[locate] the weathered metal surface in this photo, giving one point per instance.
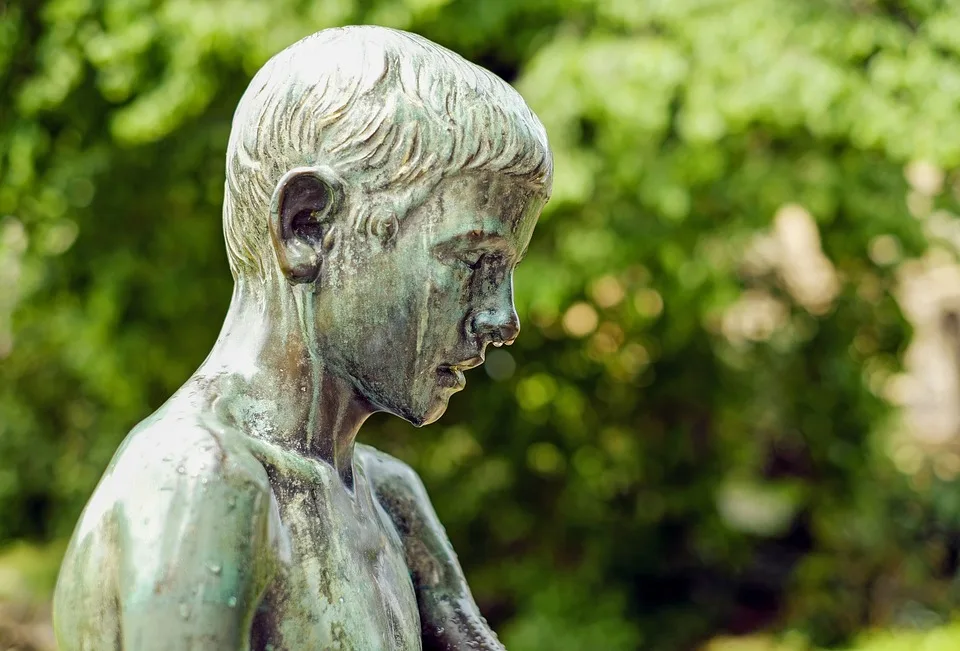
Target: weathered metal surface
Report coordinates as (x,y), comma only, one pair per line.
(380,191)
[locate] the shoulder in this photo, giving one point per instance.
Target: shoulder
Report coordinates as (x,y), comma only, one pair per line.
(190,448)
(385,470)
(184,506)
(171,481)
(399,491)
(175,467)
(187,491)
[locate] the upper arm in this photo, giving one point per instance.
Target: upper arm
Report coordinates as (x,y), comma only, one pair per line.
(450,618)
(194,530)
(401,493)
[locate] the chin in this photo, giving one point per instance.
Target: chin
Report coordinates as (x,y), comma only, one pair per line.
(421,415)
(422,406)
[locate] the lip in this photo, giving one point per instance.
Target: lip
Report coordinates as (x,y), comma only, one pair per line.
(451,375)
(467,364)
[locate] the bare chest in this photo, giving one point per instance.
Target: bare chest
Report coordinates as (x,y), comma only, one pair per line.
(345,585)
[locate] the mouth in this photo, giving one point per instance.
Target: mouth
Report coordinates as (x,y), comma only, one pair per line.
(451,375)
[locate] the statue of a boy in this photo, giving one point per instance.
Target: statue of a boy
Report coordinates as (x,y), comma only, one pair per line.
(380,191)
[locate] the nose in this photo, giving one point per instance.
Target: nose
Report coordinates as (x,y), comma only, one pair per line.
(497,326)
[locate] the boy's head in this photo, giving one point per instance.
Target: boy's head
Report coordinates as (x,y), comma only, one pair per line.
(398,185)
(388,113)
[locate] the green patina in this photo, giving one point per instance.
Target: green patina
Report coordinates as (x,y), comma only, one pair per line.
(380,191)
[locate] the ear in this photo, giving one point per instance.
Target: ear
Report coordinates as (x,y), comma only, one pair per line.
(302,209)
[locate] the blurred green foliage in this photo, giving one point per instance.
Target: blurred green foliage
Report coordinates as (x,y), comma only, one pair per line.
(631,474)
(944,638)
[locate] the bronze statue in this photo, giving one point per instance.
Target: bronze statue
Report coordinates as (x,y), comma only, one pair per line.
(380,191)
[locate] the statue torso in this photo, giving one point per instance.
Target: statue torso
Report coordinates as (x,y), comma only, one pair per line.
(338,578)
(346,585)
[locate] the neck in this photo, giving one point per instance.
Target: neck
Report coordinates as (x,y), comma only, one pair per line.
(266,377)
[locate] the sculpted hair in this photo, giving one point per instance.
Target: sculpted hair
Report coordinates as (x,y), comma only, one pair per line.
(388,111)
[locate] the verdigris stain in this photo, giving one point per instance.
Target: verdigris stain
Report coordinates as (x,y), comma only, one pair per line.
(380,191)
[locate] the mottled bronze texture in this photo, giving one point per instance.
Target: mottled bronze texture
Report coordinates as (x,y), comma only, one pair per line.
(380,191)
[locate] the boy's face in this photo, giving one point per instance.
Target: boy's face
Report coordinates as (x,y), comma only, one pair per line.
(403,321)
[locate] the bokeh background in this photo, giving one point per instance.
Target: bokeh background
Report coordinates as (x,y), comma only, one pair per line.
(732,420)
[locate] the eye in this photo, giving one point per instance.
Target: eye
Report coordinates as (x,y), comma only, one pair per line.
(470,259)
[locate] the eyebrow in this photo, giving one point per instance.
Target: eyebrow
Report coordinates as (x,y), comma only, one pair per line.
(480,239)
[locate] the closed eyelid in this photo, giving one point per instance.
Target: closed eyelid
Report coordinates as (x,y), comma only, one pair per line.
(473,241)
